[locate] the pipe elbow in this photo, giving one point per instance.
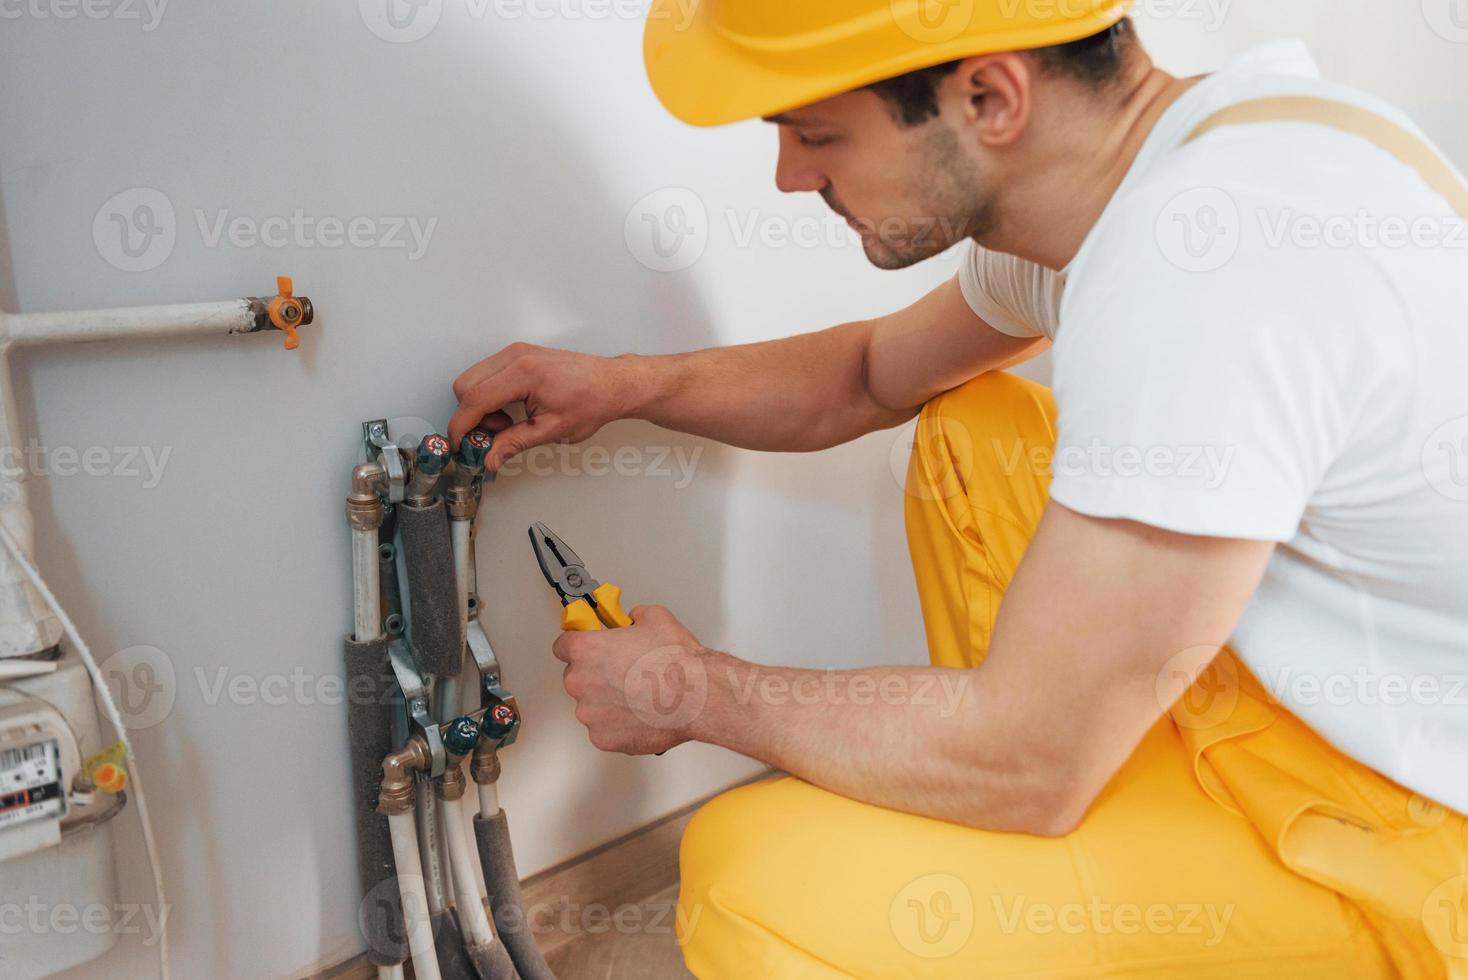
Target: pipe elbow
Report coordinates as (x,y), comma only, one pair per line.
(399,769)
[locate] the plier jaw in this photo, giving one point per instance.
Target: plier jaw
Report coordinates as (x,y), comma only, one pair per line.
(589,604)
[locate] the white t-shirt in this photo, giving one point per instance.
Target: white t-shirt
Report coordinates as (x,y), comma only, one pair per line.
(1265,336)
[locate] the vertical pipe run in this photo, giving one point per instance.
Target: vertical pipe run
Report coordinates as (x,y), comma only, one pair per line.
(415,902)
(471,911)
(366,586)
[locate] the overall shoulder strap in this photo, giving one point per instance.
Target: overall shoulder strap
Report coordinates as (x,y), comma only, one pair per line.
(1395,139)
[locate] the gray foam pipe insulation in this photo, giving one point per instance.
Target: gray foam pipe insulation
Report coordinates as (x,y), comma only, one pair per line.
(500,877)
(370,681)
(433,598)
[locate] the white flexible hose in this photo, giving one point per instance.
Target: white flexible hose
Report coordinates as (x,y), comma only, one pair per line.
(472,920)
(416,923)
(489,799)
(99,684)
(463,559)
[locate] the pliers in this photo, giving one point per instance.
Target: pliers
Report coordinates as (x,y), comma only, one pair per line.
(589,604)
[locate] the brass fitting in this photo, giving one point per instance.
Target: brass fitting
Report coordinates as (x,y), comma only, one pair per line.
(485,764)
(450,786)
(364,507)
(461,502)
(395,795)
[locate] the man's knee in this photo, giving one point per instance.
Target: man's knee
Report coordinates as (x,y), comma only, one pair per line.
(993,429)
(720,834)
(992,395)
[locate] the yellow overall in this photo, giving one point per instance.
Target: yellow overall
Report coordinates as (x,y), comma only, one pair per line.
(1234,842)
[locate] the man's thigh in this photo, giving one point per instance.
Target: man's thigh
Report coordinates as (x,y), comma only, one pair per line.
(783,879)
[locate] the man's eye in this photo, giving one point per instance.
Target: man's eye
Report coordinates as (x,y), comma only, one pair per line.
(813,140)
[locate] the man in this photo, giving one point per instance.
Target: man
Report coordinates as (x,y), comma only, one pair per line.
(1254,445)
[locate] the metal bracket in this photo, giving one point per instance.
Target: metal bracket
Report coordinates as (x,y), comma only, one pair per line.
(490,691)
(375,437)
(415,698)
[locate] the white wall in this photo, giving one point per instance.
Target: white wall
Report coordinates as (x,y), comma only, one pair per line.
(530,140)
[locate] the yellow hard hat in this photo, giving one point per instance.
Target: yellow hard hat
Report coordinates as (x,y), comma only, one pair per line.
(718,61)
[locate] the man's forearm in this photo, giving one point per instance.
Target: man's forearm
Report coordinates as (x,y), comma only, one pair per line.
(917,739)
(797,394)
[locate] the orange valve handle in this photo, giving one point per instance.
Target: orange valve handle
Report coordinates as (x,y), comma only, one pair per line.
(287,312)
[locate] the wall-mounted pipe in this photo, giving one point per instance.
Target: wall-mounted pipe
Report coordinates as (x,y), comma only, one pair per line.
(27,626)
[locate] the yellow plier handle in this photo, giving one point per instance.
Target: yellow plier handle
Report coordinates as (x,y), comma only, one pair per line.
(579,615)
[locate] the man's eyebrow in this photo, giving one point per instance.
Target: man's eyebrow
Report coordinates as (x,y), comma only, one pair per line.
(784,119)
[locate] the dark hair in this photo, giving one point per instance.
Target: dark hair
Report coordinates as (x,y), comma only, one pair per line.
(1096,60)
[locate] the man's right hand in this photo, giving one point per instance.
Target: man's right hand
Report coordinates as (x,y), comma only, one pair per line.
(568,397)
(799,394)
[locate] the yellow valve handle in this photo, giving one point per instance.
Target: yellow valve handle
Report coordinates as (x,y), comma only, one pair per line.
(579,616)
(285,313)
(114,755)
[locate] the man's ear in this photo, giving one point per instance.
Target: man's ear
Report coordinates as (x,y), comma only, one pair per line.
(996,90)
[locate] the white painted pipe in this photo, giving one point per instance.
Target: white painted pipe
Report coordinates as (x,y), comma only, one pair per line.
(472,919)
(416,923)
(130,323)
(366,586)
(394,972)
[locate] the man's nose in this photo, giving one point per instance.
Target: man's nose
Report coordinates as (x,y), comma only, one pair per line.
(794,174)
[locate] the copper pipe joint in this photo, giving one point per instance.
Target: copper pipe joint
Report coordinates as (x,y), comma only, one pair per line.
(395,795)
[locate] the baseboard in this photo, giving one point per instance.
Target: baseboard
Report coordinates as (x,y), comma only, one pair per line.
(617,874)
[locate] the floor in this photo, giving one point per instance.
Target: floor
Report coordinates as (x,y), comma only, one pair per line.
(648,952)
